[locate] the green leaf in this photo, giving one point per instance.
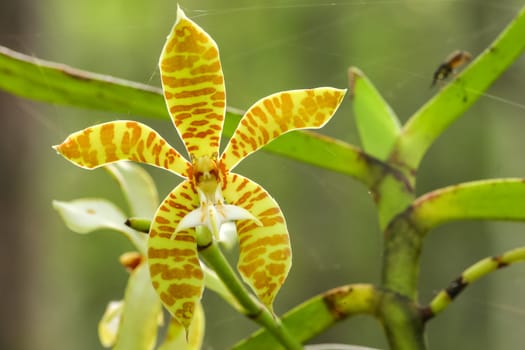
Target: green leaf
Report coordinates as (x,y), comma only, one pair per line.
(328,153)
(176,334)
(90,214)
(376,122)
(50,82)
(138,187)
(428,123)
(141,312)
(500,199)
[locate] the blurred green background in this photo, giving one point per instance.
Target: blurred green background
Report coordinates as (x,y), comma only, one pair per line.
(55,284)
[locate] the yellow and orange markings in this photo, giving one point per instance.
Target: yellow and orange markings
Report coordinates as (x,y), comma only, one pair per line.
(193,86)
(173,260)
(277,114)
(121,140)
(210,195)
(265,253)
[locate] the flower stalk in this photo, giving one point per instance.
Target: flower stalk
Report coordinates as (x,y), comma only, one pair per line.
(210,252)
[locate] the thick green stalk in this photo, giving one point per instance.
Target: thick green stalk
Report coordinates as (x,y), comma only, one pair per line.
(403,322)
(401,258)
(401,319)
(393,193)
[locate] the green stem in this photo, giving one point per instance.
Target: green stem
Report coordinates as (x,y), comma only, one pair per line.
(253,309)
(403,323)
(493,199)
(393,193)
(469,276)
(401,258)
(401,318)
(326,309)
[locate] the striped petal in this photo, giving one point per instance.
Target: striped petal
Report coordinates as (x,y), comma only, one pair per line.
(172,257)
(193,86)
(121,140)
(265,254)
(277,114)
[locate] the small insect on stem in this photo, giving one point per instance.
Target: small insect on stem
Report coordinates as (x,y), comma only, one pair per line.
(455,60)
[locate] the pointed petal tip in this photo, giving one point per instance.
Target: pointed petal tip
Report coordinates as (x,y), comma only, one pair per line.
(342,92)
(180,14)
(59,149)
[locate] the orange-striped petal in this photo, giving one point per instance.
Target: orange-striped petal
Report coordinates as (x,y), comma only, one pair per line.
(193,86)
(277,114)
(265,254)
(174,265)
(121,140)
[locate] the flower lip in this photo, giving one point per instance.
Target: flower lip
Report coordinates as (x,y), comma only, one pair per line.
(213,216)
(212,211)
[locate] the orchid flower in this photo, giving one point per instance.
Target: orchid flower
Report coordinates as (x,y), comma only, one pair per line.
(211,194)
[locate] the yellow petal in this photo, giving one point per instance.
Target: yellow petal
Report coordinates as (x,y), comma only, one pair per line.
(277,114)
(177,339)
(173,261)
(121,140)
(265,254)
(193,86)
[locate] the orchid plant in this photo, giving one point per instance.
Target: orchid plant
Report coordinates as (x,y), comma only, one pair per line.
(210,194)
(181,252)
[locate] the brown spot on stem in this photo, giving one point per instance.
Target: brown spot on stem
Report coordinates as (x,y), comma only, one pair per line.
(499,261)
(456,287)
(331,299)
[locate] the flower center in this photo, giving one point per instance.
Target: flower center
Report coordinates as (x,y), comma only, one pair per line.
(212,211)
(207,181)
